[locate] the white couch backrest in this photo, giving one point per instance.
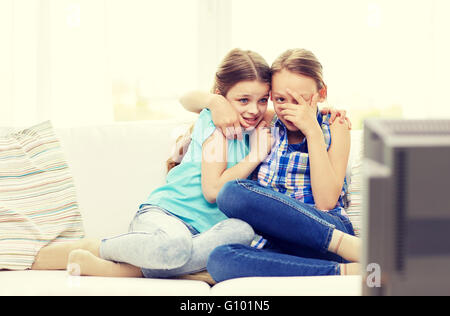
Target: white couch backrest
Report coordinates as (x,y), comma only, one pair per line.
(115,167)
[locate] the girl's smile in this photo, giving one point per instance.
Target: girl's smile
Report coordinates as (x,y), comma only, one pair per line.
(251,121)
(250,99)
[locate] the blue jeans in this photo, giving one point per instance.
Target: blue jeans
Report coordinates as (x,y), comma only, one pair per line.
(163,245)
(298,235)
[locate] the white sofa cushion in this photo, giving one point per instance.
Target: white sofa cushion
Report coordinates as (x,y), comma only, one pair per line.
(115,167)
(59,283)
(290,286)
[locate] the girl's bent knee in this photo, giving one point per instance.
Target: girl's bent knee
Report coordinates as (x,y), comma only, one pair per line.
(178,252)
(244,231)
(233,231)
(229,200)
(215,264)
(225,192)
(169,252)
(223,261)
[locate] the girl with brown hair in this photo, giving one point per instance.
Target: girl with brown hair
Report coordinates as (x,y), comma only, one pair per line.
(179,224)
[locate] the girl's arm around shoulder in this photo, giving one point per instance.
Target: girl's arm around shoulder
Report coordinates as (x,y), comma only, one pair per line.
(224,116)
(196,101)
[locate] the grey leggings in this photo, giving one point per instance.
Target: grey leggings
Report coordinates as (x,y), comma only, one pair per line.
(162,245)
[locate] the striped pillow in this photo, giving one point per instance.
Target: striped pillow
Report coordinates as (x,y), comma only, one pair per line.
(38,203)
(355,176)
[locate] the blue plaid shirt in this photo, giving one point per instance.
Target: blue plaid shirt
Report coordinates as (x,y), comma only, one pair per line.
(287,168)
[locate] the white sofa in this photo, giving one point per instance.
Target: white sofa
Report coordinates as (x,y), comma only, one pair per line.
(115,167)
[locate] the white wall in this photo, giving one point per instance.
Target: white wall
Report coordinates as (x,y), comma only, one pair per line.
(54,62)
(6,74)
(375,53)
(18,72)
(59,58)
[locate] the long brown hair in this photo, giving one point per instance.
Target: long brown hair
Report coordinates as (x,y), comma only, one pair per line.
(238,65)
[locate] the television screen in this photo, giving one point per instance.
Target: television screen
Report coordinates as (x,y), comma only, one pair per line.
(406,207)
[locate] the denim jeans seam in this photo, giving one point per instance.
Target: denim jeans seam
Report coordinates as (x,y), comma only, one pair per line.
(331,227)
(345,221)
(325,223)
(247,255)
(328,240)
(129,233)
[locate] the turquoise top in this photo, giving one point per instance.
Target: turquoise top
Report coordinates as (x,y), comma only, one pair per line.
(182,194)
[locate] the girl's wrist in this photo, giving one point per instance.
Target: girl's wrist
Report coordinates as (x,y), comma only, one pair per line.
(313,132)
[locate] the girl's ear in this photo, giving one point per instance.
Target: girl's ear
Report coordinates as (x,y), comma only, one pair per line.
(270,96)
(323,94)
(217,91)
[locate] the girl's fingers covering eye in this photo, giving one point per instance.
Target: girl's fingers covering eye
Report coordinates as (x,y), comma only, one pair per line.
(286,106)
(296,96)
(288,112)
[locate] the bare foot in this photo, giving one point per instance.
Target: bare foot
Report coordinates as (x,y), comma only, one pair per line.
(92,245)
(83,262)
(54,257)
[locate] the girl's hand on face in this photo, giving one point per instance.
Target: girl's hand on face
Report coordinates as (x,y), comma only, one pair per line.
(335,114)
(225,117)
(261,142)
(303,115)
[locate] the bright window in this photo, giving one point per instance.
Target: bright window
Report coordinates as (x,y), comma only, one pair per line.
(79,62)
(153,55)
(380,58)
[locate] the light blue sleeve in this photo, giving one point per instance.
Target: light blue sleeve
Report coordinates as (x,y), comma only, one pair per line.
(204,128)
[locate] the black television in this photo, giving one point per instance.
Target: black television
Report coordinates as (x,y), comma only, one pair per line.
(406,207)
